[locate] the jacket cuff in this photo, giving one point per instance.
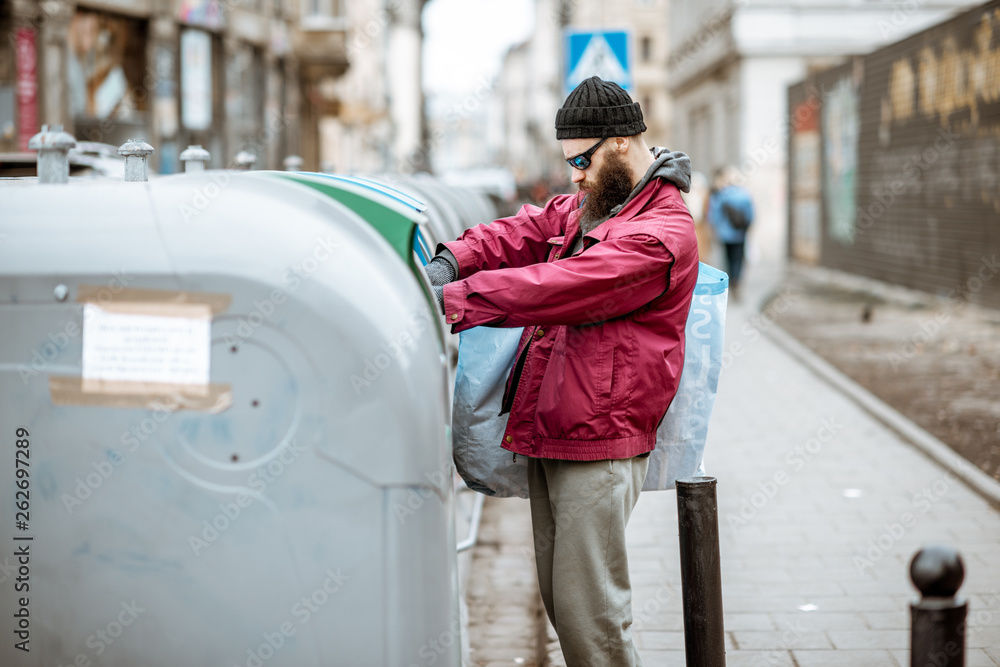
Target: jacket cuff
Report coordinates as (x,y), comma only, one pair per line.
(454,303)
(464,259)
(447,255)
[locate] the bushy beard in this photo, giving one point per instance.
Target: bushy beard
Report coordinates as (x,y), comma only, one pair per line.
(611,186)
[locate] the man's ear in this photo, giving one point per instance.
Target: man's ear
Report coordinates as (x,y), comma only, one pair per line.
(622,144)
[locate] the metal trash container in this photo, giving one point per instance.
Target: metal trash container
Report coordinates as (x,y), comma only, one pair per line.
(393,213)
(231,395)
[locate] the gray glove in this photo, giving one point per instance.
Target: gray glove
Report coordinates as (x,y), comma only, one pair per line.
(439,294)
(440,271)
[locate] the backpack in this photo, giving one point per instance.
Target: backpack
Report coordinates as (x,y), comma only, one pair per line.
(737,218)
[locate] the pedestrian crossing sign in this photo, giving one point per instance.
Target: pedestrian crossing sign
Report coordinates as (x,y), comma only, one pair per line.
(598,53)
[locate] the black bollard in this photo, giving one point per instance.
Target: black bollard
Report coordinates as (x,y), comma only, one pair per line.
(937,620)
(701,572)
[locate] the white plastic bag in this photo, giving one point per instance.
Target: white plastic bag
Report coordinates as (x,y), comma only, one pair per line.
(486,356)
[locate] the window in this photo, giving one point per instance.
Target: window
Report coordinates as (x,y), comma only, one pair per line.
(324,15)
(646,49)
(700,139)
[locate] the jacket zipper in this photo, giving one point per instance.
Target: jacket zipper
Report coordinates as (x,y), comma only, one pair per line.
(508,400)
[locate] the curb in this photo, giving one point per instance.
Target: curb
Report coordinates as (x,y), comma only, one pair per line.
(937,451)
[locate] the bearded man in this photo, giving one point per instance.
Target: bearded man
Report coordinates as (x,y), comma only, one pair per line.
(601,280)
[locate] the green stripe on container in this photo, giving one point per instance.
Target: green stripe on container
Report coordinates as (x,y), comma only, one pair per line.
(395,228)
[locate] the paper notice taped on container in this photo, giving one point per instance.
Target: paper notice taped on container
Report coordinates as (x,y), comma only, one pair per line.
(152,348)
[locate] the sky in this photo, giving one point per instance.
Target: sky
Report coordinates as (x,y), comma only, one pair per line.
(466,39)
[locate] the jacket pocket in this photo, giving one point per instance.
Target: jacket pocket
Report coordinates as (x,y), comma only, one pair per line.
(574,398)
(555,248)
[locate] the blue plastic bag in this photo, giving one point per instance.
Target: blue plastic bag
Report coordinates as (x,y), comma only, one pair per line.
(680,438)
(486,356)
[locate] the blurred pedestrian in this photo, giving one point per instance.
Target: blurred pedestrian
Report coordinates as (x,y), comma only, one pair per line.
(601,280)
(540,192)
(730,212)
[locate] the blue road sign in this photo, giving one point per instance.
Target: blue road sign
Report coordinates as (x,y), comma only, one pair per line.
(603,53)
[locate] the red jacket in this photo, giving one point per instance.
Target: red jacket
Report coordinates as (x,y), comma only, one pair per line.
(603,343)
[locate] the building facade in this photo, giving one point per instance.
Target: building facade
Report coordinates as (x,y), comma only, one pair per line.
(379,125)
(729,68)
(272,77)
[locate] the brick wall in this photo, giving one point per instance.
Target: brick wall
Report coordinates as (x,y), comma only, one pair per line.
(909,162)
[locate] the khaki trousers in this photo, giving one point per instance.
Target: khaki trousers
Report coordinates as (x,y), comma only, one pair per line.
(579,510)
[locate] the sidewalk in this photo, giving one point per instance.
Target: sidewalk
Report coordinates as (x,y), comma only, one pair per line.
(820,508)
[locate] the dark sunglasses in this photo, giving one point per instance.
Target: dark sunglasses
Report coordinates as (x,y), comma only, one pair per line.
(582,161)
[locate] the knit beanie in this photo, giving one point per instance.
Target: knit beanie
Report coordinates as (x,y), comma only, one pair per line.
(600,109)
